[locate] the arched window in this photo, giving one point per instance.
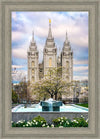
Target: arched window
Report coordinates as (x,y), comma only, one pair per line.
(32,78)
(50,62)
(32,71)
(67,66)
(32,63)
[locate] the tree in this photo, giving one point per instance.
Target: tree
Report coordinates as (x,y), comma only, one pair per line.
(23,90)
(14,97)
(51,85)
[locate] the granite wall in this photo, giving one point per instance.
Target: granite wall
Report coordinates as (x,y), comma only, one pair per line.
(49,116)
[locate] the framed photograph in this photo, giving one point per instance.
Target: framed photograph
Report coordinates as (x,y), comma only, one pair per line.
(49,69)
(49,74)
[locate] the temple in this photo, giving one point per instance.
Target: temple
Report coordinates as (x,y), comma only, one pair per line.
(37,70)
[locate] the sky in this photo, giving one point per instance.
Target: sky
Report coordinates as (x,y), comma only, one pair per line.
(74,23)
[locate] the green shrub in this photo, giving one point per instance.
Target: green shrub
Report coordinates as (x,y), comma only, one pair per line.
(58,122)
(19,123)
(80,122)
(64,122)
(35,122)
(39,121)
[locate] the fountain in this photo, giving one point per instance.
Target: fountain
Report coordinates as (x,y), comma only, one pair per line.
(51,105)
(48,109)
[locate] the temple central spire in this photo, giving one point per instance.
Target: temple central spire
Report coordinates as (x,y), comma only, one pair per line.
(50,33)
(33,36)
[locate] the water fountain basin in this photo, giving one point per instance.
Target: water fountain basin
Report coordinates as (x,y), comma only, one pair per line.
(51,105)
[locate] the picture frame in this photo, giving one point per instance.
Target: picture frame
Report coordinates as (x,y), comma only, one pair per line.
(6,7)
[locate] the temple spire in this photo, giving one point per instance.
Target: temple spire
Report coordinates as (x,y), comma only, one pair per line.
(50,33)
(66,42)
(32,41)
(66,38)
(33,36)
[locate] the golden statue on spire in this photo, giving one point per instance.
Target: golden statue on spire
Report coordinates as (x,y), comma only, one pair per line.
(49,20)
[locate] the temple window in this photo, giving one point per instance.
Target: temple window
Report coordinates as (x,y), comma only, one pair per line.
(32,71)
(32,63)
(50,62)
(32,78)
(67,64)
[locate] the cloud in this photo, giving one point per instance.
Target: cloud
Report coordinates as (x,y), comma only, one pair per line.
(19,53)
(80,68)
(78,62)
(19,75)
(80,77)
(20,50)
(14,16)
(17,66)
(80,73)
(78,33)
(16,35)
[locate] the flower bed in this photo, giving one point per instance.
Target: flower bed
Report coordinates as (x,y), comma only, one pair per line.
(58,122)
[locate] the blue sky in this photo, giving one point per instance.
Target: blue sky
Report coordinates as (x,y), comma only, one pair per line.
(76,25)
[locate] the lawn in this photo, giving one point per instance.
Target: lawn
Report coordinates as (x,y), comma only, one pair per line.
(83,105)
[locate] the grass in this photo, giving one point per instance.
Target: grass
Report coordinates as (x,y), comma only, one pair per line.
(83,105)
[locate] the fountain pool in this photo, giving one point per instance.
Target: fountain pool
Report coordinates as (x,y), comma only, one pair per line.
(49,109)
(38,108)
